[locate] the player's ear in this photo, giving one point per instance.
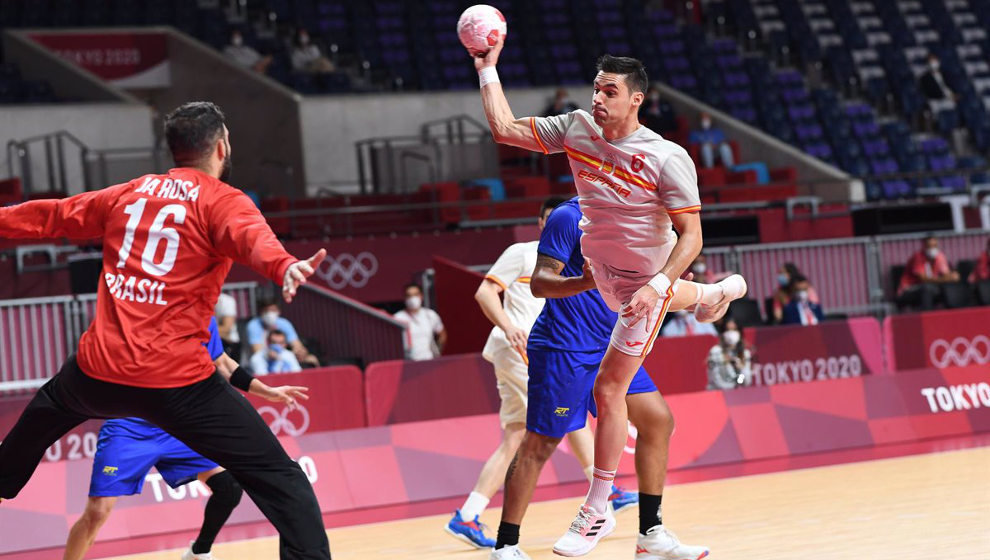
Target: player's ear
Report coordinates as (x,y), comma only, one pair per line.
(637,98)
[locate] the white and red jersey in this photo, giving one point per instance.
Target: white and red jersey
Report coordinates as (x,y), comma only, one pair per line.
(512,272)
(168,244)
(628,189)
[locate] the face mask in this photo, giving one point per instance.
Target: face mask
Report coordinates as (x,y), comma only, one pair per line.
(802,295)
(782,280)
(706,124)
(414,302)
(931,252)
(277,348)
(699,268)
(731,338)
(237,41)
(269,318)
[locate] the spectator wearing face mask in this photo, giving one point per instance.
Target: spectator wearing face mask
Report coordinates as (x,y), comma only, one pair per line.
(729,361)
(923,275)
(244,55)
(656,114)
(711,140)
(270,318)
(275,357)
(801,310)
(782,295)
(306,56)
(425,334)
(683,323)
(981,272)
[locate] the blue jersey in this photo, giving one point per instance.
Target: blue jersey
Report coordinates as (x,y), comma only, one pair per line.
(581,323)
(214,346)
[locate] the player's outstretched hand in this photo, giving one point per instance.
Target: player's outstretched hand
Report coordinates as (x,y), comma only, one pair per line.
(491,57)
(298,272)
(640,306)
(287,394)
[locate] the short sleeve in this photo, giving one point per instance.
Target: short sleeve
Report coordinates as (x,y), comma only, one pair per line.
(285,326)
(679,185)
(437,322)
(255,332)
(560,234)
(550,131)
(215,345)
(509,266)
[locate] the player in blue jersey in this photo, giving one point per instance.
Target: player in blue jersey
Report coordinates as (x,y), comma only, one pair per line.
(565,348)
(127,449)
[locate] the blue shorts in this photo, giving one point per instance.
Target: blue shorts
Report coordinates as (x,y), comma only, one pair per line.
(128,448)
(560,390)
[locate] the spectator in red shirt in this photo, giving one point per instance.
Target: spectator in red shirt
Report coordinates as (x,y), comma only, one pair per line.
(925,271)
(981,272)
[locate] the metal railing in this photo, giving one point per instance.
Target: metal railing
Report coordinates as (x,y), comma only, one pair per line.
(346,329)
(55,176)
(38,334)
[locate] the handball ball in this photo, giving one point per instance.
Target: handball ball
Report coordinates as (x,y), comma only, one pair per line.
(479,28)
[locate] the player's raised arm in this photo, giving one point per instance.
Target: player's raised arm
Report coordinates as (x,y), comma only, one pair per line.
(547,282)
(506,128)
(82,216)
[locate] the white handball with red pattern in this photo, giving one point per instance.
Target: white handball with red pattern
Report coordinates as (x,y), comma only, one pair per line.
(479,28)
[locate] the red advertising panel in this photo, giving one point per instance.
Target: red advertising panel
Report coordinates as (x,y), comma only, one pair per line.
(830,350)
(441,458)
(940,339)
(128,59)
(680,365)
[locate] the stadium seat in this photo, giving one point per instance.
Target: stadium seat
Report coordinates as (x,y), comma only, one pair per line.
(956,294)
(745,312)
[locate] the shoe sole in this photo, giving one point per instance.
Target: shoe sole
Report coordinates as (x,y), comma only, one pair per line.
(464,539)
(590,548)
(657,557)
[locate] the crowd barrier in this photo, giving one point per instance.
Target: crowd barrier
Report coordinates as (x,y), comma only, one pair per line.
(454,284)
(414,461)
(938,339)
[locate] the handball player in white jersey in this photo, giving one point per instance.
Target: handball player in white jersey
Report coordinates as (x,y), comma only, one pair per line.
(635,189)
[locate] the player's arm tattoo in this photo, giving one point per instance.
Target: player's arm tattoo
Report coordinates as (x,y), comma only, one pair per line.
(545,261)
(547,281)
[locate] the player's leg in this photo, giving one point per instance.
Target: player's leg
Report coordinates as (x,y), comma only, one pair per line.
(84,530)
(218,423)
(654,423)
(511,375)
(46,418)
(582,444)
(225,494)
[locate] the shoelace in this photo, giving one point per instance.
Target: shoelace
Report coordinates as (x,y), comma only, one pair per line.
(582,521)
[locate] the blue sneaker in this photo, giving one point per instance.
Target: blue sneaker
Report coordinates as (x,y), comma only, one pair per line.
(471,532)
(622,499)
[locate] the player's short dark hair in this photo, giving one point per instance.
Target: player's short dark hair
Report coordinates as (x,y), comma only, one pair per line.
(631,69)
(551,203)
(192,130)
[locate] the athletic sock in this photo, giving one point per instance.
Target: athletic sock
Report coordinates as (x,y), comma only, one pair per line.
(508,535)
(601,489)
(710,294)
(650,514)
(226,495)
(473,506)
(589,472)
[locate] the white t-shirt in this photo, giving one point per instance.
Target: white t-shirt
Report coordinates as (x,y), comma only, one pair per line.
(628,189)
(512,271)
(421,327)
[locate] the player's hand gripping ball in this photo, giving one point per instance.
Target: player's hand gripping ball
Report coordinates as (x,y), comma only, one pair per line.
(479,28)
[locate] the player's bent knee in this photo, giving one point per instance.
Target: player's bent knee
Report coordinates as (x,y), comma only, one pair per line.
(225,489)
(98,510)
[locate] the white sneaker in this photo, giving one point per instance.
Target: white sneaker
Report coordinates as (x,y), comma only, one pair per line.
(733,288)
(188,554)
(508,553)
(586,530)
(661,544)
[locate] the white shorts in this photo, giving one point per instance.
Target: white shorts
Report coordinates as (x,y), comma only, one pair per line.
(617,289)
(512,378)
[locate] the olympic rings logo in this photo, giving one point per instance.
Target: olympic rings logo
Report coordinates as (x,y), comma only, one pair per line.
(348,270)
(960,352)
(280,423)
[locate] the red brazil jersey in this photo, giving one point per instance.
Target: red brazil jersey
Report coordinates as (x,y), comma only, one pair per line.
(168,244)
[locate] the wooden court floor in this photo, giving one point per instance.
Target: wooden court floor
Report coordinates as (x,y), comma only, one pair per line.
(922,507)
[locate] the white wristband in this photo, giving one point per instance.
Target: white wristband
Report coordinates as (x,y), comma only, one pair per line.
(660,283)
(487,75)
